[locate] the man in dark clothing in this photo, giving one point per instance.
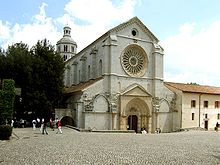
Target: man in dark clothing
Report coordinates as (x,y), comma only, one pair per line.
(44,127)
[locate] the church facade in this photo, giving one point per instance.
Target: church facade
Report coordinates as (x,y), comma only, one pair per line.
(116,82)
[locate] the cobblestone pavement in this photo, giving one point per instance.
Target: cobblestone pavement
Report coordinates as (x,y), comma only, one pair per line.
(72,147)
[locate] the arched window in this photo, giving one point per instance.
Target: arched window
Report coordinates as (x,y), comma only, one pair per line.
(72,49)
(68,75)
(65,57)
(89,72)
(80,77)
(100,67)
(65,48)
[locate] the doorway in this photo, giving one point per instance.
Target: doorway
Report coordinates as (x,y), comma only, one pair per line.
(206,125)
(133,122)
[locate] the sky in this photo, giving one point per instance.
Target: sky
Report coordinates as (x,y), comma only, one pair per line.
(188,30)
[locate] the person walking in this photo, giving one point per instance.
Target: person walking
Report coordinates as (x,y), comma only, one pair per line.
(216,128)
(34,124)
(51,124)
(44,128)
(22,123)
(38,123)
(12,123)
(42,124)
(59,127)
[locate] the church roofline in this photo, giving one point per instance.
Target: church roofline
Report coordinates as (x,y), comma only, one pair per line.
(80,87)
(119,27)
(138,21)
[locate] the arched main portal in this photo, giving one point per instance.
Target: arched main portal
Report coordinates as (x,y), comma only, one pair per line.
(133,123)
(136,116)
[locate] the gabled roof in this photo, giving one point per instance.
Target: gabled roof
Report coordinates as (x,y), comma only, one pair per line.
(135,89)
(119,27)
(138,21)
(193,88)
(81,86)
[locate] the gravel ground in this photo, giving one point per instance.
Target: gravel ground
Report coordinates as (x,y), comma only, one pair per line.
(30,147)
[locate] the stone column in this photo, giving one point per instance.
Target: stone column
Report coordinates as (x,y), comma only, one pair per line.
(157,70)
(83,72)
(79,114)
(150,128)
(94,66)
(75,73)
(68,76)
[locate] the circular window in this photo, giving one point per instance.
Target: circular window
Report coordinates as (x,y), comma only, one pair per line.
(133,60)
(134,32)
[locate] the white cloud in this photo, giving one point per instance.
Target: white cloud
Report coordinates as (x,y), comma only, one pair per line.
(88,20)
(41,27)
(193,55)
(100,11)
(95,17)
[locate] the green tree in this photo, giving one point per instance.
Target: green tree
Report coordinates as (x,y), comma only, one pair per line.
(18,66)
(7,95)
(47,79)
(3,65)
(38,72)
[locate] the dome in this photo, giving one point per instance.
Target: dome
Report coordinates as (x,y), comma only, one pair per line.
(66,40)
(66,37)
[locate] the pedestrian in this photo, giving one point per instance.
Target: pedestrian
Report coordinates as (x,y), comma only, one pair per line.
(217,125)
(144,131)
(22,123)
(44,128)
(158,130)
(51,124)
(12,123)
(34,124)
(38,123)
(59,127)
(42,124)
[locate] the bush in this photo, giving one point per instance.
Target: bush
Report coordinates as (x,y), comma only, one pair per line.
(5,132)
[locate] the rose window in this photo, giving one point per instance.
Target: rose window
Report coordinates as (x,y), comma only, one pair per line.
(134,61)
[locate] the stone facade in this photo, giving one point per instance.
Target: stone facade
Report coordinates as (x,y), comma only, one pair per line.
(116,83)
(197,105)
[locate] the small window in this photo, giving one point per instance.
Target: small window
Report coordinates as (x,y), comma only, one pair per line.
(216,104)
(206,115)
(218,116)
(193,103)
(79,77)
(193,116)
(65,48)
(72,49)
(89,72)
(65,57)
(206,104)
(134,32)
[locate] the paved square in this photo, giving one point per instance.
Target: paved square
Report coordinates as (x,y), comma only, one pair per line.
(72,147)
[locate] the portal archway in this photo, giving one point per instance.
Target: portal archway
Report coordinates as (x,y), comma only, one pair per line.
(136,116)
(66,120)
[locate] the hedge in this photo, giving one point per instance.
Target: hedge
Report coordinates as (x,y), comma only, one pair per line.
(5,132)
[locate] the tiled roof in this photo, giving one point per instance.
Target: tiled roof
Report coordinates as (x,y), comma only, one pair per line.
(81,86)
(194,88)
